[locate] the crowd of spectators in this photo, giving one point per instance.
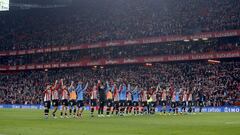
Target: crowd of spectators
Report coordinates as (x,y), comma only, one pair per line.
(89,21)
(220,83)
(160,49)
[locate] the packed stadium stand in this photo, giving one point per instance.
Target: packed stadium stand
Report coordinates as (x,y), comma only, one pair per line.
(218,82)
(139,41)
(115,20)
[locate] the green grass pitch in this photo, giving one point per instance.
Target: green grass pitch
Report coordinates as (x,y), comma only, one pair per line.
(31,122)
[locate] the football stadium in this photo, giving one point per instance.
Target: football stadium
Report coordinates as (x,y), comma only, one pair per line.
(119,67)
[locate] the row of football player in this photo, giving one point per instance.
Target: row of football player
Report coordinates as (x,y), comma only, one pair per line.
(119,99)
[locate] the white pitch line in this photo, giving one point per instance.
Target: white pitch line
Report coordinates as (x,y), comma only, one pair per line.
(232,122)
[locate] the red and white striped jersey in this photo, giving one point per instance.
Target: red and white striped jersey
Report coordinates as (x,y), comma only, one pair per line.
(184,97)
(55,93)
(47,95)
(173,97)
(164,95)
(94,92)
(189,97)
(65,94)
(129,96)
(144,96)
(154,96)
(116,94)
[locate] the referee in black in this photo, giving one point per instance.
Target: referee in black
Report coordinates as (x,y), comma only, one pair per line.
(102,98)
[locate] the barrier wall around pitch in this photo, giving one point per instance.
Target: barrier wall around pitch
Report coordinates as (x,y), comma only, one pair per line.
(205,109)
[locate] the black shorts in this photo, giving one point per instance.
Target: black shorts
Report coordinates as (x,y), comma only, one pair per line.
(173,104)
(144,103)
(129,103)
(163,103)
(116,104)
(101,103)
(201,103)
(109,103)
(184,104)
(93,102)
(153,104)
(135,103)
(189,103)
(177,103)
(80,103)
(65,102)
(47,104)
(122,103)
(55,103)
(193,103)
(72,102)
